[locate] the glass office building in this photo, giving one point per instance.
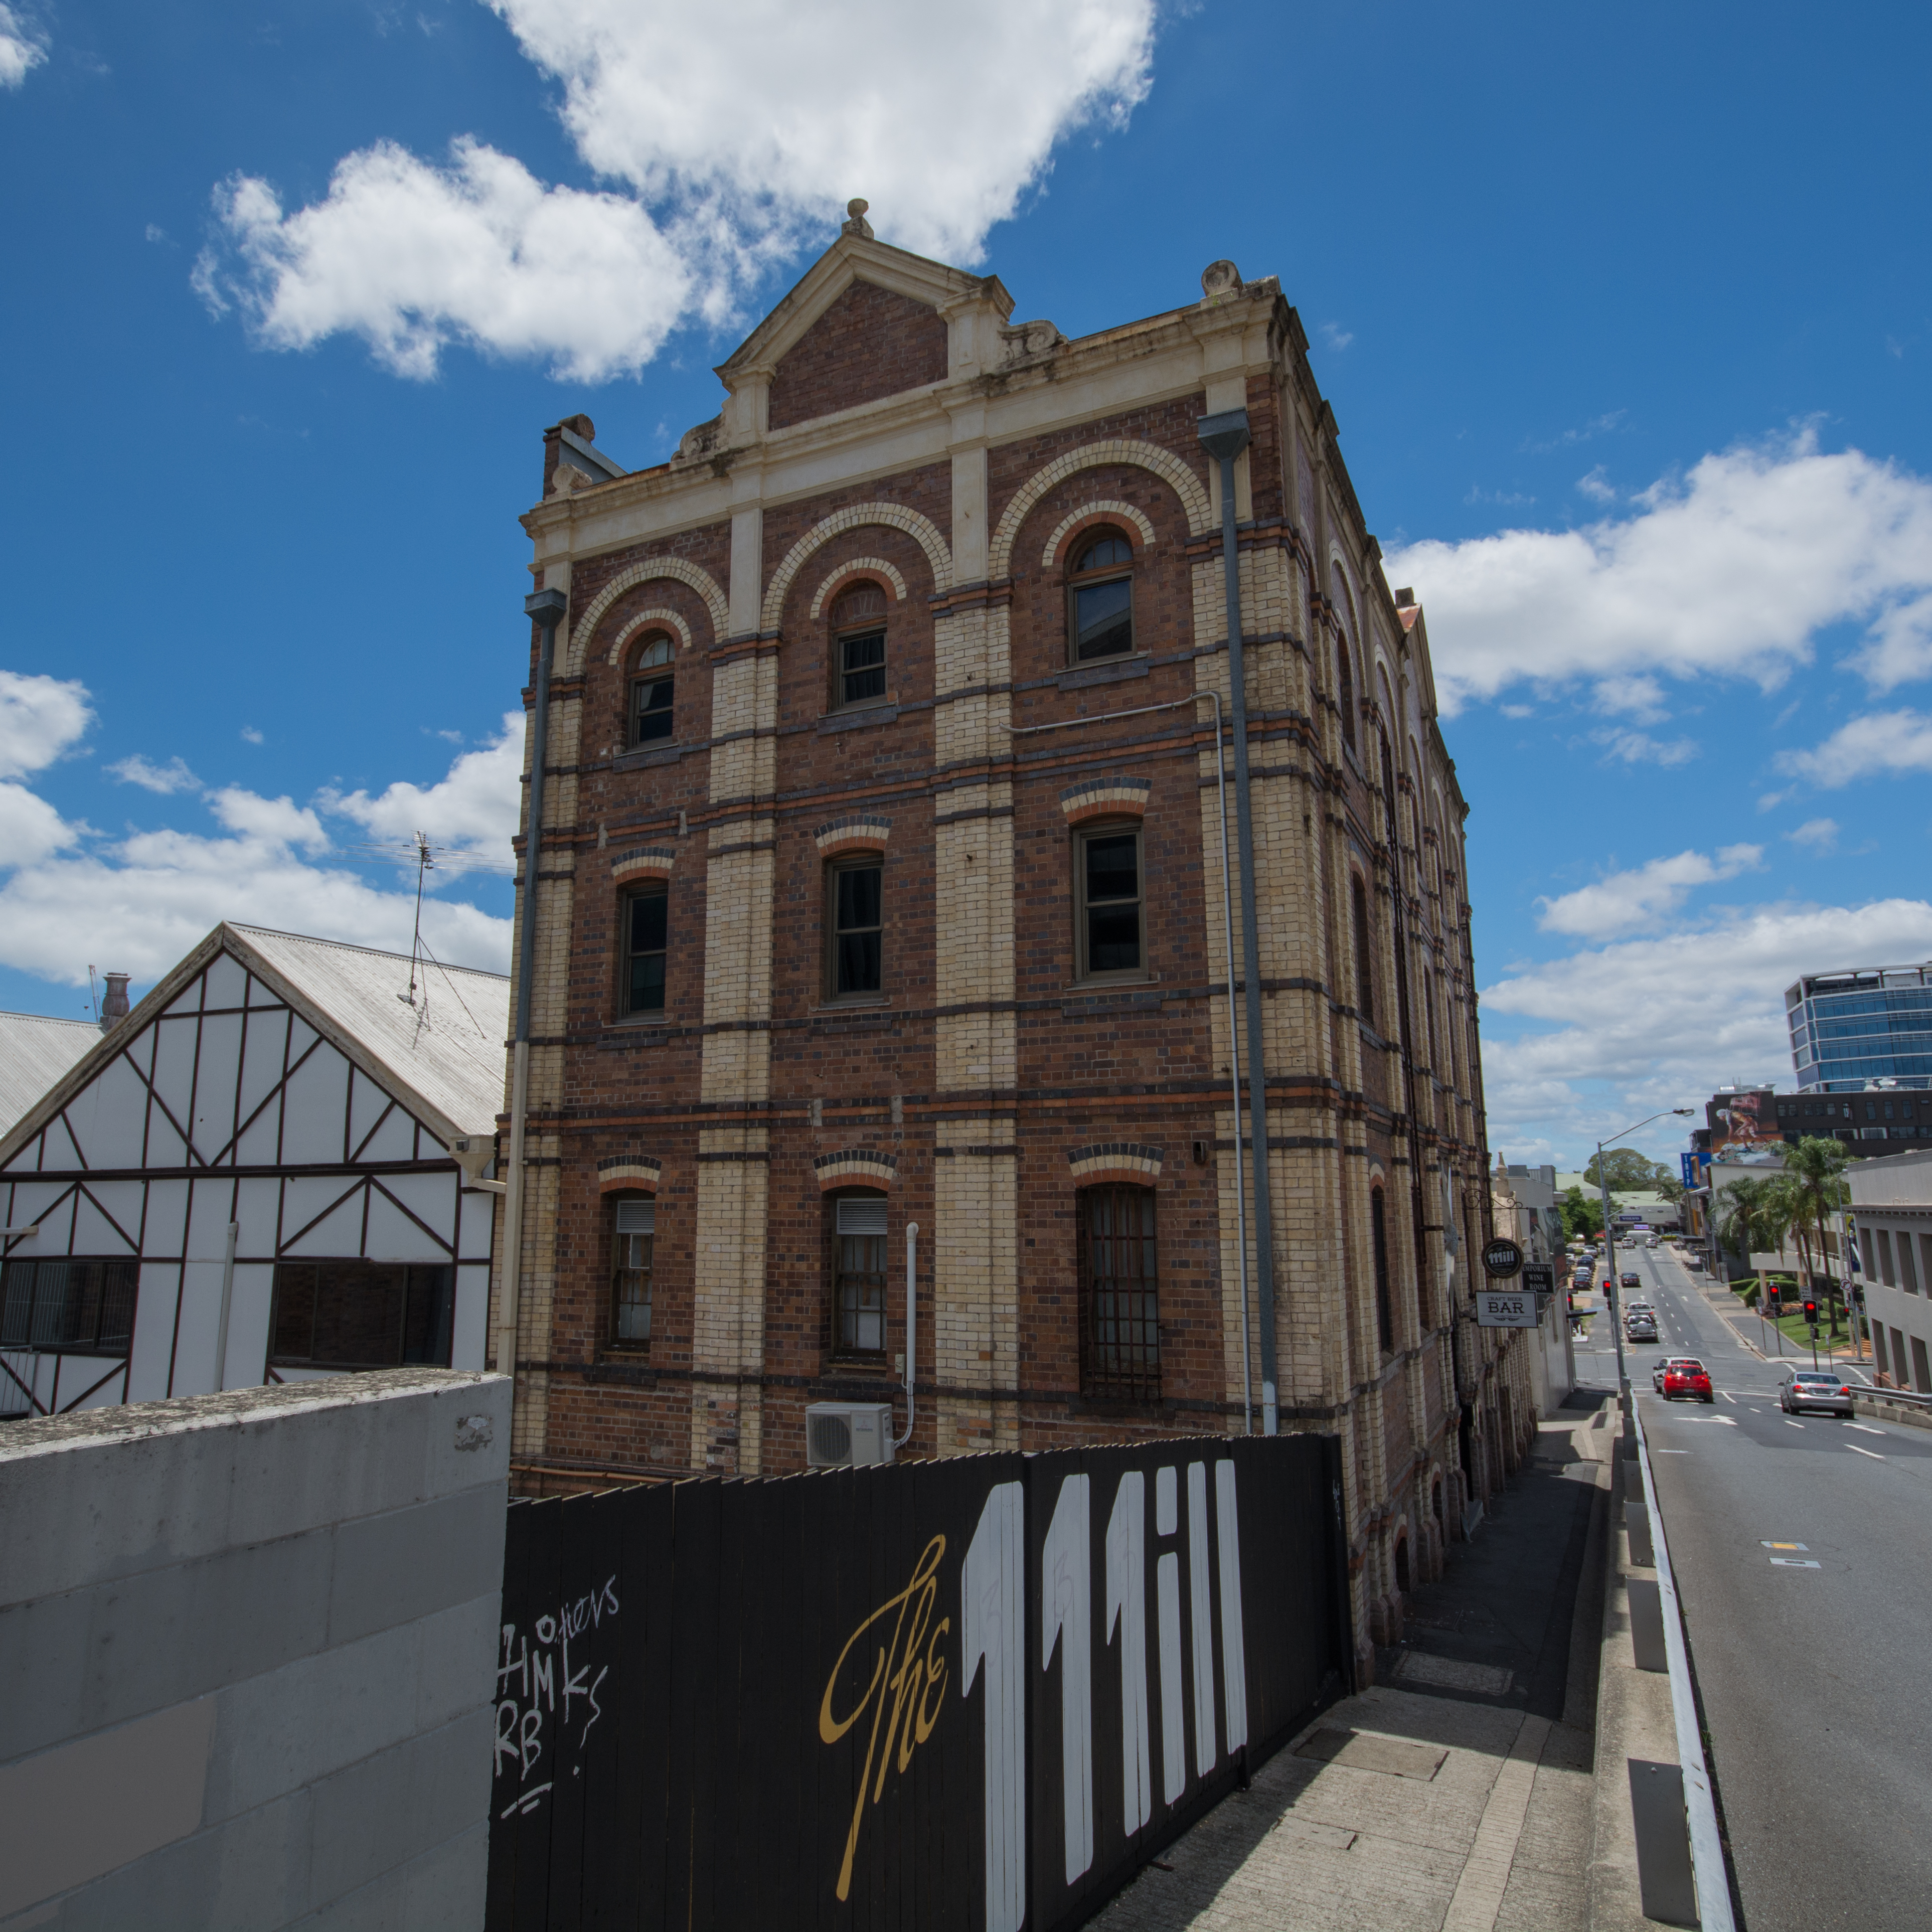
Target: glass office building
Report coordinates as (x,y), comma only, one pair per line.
(1853,1031)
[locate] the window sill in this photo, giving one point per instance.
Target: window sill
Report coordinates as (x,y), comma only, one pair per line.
(867,1365)
(636,1033)
(1123,983)
(1112,670)
(859,1003)
(859,717)
(635,761)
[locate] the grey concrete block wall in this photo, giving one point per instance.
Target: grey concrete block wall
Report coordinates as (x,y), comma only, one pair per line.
(247,1657)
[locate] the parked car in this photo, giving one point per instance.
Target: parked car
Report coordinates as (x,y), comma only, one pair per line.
(1816,1388)
(1664,1362)
(1685,1377)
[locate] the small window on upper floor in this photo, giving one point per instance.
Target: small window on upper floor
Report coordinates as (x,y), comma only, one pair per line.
(859,647)
(1100,595)
(855,928)
(651,688)
(1109,941)
(646,937)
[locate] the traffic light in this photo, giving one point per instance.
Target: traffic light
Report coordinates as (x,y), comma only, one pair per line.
(1811,1312)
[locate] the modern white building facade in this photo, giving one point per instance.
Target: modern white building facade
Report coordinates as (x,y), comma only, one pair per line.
(1892,1204)
(254,1178)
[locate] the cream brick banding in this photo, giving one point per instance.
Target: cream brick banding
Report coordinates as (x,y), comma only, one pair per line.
(853,834)
(1114,1160)
(1169,468)
(667,619)
(654,861)
(850,1164)
(1106,798)
(1107,509)
(674,568)
(629,1174)
(858,516)
(859,566)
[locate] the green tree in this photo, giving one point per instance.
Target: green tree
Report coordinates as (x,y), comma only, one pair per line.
(1635,1173)
(1815,1169)
(1746,1213)
(1669,1186)
(1582,1214)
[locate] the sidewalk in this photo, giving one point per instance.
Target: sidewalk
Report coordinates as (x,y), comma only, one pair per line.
(1455,1796)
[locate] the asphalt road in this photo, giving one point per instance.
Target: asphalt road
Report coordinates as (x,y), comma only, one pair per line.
(1816,1695)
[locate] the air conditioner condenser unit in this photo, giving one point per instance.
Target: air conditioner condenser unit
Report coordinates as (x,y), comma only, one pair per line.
(847,1434)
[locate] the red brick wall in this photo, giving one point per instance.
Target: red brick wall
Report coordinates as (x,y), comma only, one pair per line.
(870,342)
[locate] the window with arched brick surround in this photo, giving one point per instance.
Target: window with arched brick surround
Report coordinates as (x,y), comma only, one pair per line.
(857,650)
(1120,1293)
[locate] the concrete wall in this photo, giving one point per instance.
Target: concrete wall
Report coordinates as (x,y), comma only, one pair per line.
(247,1645)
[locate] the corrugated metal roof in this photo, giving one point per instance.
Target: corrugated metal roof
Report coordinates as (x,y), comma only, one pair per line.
(449,1046)
(34,1052)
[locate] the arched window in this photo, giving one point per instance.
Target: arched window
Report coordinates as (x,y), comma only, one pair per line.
(1100,595)
(1429,1012)
(859,646)
(1120,1311)
(651,686)
(859,1275)
(1365,976)
(1345,657)
(1378,1238)
(634,1239)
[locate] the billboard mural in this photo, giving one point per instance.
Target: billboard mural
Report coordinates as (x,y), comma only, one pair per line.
(1743,1122)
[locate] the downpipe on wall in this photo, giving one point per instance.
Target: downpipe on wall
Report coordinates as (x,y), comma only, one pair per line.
(1224,436)
(911,1328)
(547,608)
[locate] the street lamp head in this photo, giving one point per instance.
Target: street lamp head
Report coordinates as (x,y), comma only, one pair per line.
(1683,1110)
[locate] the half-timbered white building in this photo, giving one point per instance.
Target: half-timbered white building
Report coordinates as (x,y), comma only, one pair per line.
(273,1168)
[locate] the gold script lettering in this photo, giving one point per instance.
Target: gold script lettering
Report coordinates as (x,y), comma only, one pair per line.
(907,1673)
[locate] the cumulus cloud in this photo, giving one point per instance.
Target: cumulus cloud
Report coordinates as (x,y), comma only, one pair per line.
(68,894)
(22,47)
(1817,835)
(1646,892)
(40,718)
(1620,1031)
(1730,572)
(1882,743)
(173,776)
(715,125)
(474,807)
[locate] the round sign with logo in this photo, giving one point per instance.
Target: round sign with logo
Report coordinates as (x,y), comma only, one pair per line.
(1502,1258)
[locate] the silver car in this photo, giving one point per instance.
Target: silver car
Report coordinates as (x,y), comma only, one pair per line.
(1816,1388)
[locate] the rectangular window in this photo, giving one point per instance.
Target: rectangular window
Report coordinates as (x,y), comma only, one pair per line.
(1378,1236)
(1109,876)
(861,667)
(1120,1316)
(633,1239)
(651,709)
(1103,620)
(858,1274)
(361,1314)
(1885,1274)
(646,923)
(72,1302)
(1908,1271)
(857,897)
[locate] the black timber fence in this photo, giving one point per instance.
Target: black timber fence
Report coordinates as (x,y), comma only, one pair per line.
(976,1693)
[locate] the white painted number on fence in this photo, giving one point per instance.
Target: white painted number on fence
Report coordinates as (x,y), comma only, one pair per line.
(1126,1606)
(1066,1617)
(993,1588)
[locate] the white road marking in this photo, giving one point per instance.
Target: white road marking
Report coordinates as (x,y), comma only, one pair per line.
(1673,1452)
(1857,1451)
(1866,1426)
(1789,1424)
(1729,1397)
(1796,1563)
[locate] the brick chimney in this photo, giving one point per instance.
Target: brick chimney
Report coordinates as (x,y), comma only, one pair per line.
(114,1002)
(578,425)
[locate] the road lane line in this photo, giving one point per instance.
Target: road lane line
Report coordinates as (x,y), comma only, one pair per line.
(1789,1424)
(1857,1451)
(1729,1397)
(1866,1426)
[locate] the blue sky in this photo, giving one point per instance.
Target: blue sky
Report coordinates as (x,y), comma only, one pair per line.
(1625,316)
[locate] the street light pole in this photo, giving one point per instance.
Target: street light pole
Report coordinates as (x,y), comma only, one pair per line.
(1610,1257)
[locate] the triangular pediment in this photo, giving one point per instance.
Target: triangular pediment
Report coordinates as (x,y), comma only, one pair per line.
(854,258)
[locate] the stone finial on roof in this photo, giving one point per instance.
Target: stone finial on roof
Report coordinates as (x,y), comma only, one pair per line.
(858,225)
(1218,277)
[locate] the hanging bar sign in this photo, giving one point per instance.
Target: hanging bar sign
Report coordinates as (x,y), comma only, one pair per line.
(1501,1258)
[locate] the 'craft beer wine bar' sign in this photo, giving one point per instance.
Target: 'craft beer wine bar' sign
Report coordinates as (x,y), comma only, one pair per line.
(976,1693)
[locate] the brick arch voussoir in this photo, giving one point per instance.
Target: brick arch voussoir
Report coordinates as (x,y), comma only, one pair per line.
(922,530)
(1148,456)
(673,569)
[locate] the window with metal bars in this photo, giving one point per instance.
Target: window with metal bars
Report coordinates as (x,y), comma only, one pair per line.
(1119,1303)
(634,1239)
(1378,1236)
(858,1276)
(75,1303)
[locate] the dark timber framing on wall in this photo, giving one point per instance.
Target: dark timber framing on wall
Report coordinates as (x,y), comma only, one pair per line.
(896,456)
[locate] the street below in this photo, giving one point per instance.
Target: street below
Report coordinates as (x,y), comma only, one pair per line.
(1801,1545)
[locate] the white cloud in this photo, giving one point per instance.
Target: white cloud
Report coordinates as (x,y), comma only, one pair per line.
(1598,486)
(1639,748)
(1820,835)
(1337,338)
(475,808)
(1661,1022)
(1731,571)
(40,718)
(250,736)
(1882,743)
(21,48)
(173,776)
(141,902)
(737,130)
(1646,892)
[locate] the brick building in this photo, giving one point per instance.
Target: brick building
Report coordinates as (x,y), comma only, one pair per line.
(837,930)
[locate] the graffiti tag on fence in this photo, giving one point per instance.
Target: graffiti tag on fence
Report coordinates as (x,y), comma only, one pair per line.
(547,1697)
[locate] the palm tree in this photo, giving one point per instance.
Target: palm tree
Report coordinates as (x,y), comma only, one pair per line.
(1816,1169)
(1742,1222)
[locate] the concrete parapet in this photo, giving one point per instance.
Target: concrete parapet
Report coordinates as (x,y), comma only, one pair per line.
(248,1644)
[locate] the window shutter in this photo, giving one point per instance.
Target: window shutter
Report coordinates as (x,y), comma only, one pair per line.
(636,1217)
(862,1214)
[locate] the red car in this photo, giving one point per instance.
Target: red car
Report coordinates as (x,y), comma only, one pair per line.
(1687,1378)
